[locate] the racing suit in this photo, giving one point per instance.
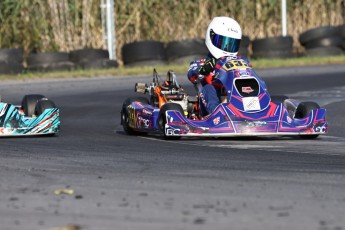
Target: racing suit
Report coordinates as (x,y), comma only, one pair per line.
(210,92)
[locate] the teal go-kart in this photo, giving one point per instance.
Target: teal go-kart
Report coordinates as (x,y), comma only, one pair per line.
(37,115)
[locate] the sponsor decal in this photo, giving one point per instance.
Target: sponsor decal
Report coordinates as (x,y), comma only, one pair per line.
(131,116)
(251,103)
(255,123)
(289,120)
(235,64)
(233,30)
(172,132)
(6,130)
(146,123)
(203,99)
(321,129)
(247,89)
(242,73)
(147,112)
(216,121)
(193,66)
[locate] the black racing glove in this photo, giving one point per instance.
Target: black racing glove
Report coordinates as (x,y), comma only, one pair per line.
(207,67)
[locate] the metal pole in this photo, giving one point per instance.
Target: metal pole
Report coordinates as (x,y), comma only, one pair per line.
(110,29)
(284,20)
(103,20)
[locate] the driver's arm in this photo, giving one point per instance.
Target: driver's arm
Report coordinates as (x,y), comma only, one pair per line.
(193,72)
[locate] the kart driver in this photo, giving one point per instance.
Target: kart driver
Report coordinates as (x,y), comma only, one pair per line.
(223,37)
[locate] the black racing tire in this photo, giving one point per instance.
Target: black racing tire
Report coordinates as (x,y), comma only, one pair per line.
(143,51)
(341,30)
(189,47)
(29,103)
(302,111)
(280,43)
(42,105)
(317,33)
(324,42)
(125,116)
(279,98)
(35,59)
(162,119)
(88,54)
(245,41)
(11,68)
(11,55)
(98,64)
(309,137)
(58,66)
(324,51)
(243,52)
(270,54)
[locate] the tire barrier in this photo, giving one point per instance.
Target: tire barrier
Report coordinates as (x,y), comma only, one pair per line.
(273,47)
(144,53)
(88,58)
(341,30)
(49,61)
(244,46)
(11,61)
(152,53)
(185,51)
(317,33)
(98,64)
(324,51)
(322,41)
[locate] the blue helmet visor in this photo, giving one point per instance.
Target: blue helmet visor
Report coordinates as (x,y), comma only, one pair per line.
(224,43)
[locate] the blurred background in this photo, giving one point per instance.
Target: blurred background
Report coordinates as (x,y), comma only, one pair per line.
(66,25)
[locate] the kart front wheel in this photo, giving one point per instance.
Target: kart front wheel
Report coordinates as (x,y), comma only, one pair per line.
(43,105)
(162,119)
(125,119)
(29,103)
(302,111)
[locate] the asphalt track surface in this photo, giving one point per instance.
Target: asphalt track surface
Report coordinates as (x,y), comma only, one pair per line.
(129,182)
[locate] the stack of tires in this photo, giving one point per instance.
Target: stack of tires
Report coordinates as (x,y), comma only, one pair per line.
(92,59)
(144,53)
(273,47)
(11,61)
(151,53)
(49,61)
(185,51)
(322,41)
(82,58)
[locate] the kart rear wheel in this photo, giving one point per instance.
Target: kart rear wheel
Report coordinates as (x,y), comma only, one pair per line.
(43,105)
(125,115)
(303,110)
(29,103)
(162,119)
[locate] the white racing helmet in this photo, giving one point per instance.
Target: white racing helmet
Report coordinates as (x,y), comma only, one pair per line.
(223,37)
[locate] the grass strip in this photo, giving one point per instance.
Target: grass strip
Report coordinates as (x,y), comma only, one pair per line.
(162,69)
